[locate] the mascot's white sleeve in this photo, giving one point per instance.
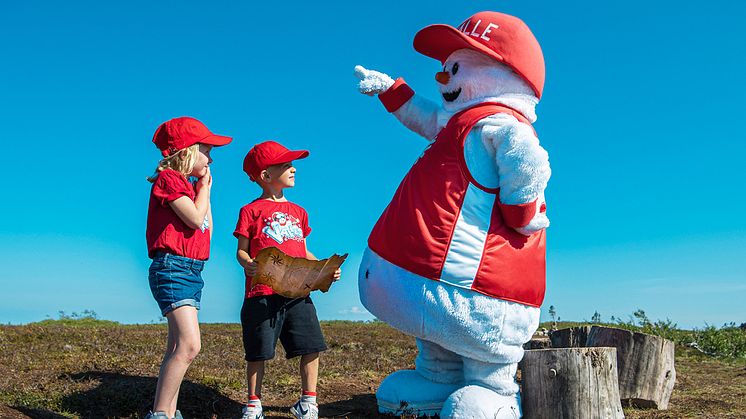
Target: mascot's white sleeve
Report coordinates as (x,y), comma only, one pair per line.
(523,167)
(415,112)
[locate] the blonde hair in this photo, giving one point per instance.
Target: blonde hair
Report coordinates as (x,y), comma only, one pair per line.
(182,161)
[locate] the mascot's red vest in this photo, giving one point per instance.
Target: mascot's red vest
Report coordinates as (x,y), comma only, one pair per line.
(443,225)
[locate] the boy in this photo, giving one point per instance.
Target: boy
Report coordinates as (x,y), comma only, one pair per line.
(272,220)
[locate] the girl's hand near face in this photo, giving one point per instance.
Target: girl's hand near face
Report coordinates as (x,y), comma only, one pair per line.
(193,213)
(205,181)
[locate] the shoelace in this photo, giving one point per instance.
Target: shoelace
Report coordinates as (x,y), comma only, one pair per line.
(306,413)
(252,412)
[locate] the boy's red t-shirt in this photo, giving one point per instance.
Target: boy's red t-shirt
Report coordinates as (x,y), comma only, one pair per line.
(266,223)
(166,232)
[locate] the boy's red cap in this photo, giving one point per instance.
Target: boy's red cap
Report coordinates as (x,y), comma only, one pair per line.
(266,154)
(503,37)
(178,133)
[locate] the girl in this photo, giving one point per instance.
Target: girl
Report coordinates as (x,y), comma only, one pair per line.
(178,236)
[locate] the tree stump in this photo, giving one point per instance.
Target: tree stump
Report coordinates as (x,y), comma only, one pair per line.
(645,363)
(571,337)
(570,383)
(541,342)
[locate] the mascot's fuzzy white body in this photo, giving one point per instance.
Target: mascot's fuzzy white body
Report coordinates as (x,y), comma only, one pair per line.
(469,343)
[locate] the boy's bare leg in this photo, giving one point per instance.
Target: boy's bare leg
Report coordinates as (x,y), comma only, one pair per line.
(309,371)
(254,377)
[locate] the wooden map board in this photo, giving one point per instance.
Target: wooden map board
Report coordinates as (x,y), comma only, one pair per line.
(295,277)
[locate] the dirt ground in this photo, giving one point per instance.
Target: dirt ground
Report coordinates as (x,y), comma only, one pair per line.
(100,370)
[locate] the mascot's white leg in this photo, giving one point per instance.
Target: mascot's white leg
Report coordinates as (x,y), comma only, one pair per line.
(486,333)
(438,364)
(438,373)
(490,393)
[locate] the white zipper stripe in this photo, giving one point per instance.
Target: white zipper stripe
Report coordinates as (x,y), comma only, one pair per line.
(469,238)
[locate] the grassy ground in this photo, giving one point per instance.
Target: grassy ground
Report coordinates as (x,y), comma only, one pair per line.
(101,369)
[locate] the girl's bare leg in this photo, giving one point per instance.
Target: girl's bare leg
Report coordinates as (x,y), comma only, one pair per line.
(184,338)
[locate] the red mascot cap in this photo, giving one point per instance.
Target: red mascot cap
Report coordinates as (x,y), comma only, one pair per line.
(502,37)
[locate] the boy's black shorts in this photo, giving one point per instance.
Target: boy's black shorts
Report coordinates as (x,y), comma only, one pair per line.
(266,318)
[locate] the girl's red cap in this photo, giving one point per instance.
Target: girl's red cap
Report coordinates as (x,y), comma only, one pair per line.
(179,133)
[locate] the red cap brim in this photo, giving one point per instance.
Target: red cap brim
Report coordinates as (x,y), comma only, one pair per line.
(440,41)
(290,155)
(216,140)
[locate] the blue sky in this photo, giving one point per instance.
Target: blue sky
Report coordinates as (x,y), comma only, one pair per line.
(640,117)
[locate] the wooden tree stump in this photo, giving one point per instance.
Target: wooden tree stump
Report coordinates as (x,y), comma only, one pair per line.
(570,383)
(571,337)
(645,363)
(538,343)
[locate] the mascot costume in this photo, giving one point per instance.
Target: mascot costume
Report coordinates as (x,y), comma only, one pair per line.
(457,259)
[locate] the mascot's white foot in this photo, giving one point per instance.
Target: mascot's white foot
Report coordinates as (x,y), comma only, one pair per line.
(475,402)
(407,392)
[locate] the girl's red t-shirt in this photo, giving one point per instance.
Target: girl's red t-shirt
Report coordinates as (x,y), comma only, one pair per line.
(166,232)
(266,223)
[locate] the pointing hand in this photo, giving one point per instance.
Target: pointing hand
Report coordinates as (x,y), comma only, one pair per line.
(372,82)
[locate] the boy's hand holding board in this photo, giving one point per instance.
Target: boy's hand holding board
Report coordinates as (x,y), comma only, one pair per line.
(295,277)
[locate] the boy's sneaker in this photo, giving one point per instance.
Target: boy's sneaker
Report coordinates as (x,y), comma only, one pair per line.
(305,410)
(177,415)
(156,415)
(252,411)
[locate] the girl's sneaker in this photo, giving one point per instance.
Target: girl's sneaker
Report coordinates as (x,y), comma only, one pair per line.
(157,415)
(305,410)
(177,415)
(252,411)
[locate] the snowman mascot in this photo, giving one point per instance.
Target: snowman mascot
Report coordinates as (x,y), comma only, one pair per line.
(457,259)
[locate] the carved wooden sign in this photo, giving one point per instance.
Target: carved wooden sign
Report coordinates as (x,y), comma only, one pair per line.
(295,277)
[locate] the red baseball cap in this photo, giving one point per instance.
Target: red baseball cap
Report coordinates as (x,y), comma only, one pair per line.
(266,154)
(179,133)
(502,37)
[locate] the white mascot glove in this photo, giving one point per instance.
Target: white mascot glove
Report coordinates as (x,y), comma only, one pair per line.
(372,82)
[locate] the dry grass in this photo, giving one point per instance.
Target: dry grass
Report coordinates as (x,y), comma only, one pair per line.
(99,369)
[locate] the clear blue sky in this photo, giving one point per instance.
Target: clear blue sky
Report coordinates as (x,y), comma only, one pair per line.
(641,117)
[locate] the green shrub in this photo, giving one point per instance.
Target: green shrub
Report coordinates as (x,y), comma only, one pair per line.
(86,318)
(729,341)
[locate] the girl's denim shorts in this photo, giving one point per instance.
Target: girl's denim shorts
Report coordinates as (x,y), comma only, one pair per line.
(176,281)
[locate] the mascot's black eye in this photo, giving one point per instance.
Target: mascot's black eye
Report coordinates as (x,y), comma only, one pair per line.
(454,70)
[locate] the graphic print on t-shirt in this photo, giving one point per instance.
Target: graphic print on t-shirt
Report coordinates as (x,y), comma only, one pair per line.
(283,227)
